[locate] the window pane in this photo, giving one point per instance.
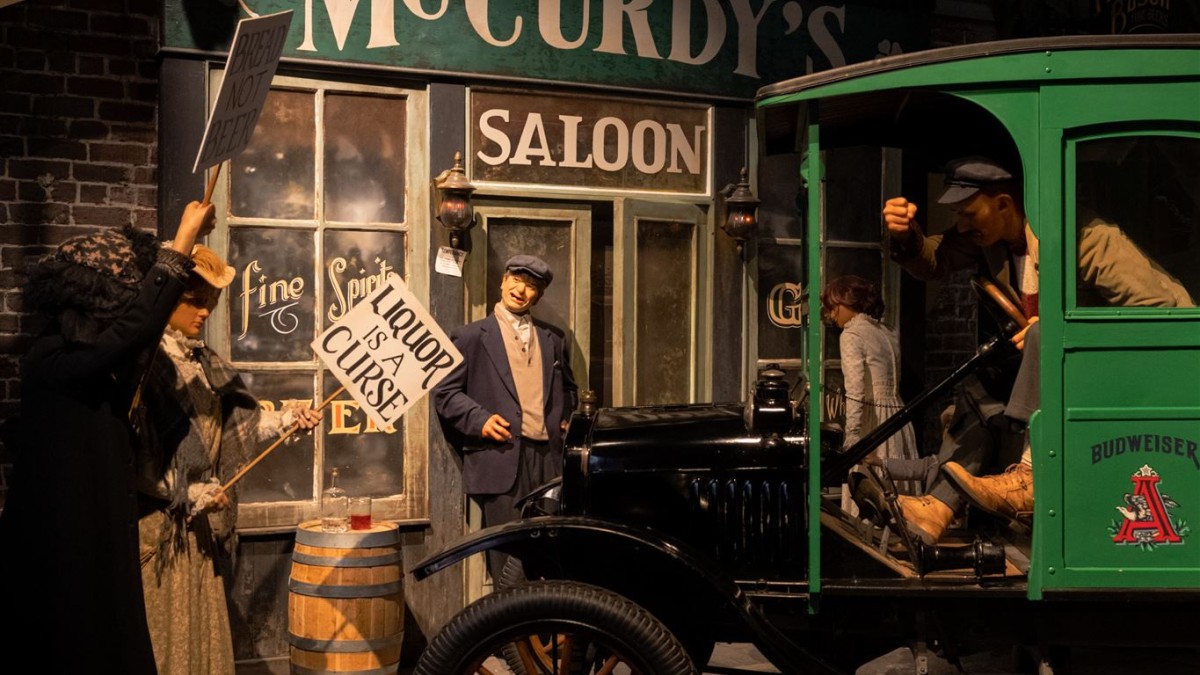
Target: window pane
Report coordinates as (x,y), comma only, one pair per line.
(782,214)
(780,280)
(287,473)
(1138,210)
(549,240)
(864,262)
(833,396)
(356,263)
(664,299)
(364,158)
(271,299)
(369,460)
(273,176)
(852,195)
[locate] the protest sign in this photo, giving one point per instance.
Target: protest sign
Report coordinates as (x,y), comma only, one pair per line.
(387,351)
(253,58)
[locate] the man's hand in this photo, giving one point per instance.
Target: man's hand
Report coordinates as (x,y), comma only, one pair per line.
(496,428)
(1019,338)
(900,216)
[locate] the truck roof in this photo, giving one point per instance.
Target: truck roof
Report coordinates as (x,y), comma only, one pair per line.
(1007,61)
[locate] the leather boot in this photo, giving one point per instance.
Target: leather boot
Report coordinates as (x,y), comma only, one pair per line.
(927,518)
(1008,495)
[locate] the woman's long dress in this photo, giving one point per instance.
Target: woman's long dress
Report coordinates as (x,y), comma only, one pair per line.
(870,354)
(182,559)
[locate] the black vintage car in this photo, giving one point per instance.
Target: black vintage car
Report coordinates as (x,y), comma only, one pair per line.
(674,527)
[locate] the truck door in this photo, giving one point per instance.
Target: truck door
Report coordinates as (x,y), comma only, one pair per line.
(1129,462)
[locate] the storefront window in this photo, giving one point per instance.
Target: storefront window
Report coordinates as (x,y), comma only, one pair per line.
(317,214)
(273,178)
(364,160)
(855,186)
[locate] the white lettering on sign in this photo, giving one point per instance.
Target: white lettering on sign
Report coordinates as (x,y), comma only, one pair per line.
(500,25)
(387,351)
(651,146)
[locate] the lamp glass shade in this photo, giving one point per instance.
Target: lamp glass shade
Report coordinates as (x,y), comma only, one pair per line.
(456,211)
(741,222)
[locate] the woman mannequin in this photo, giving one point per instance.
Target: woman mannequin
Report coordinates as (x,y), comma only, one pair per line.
(69,570)
(198,425)
(870,354)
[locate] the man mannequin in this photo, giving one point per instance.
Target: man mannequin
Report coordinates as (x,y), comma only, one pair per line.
(506,407)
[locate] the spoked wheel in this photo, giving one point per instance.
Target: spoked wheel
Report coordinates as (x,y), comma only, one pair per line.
(556,628)
(540,647)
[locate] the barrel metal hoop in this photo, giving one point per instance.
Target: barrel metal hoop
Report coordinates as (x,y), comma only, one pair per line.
(389,537)
(330,561)
(359,591)
(344,646)
(386,670)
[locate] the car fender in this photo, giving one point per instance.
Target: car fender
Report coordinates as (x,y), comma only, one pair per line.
(533,536)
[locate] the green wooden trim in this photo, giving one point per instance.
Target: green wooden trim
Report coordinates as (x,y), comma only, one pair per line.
(812,170)
(1133,414)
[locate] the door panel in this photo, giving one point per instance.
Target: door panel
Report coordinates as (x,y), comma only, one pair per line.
(560,234)
(661,294)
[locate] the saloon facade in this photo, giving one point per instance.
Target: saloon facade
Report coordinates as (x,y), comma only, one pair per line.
(602,136)
(599,137)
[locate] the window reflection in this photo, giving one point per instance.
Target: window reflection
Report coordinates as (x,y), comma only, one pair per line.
(664,311)
(364,158)
(273,177)
(1138,212)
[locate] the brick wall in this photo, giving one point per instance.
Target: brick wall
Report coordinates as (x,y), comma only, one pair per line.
(78,138)
(951,337)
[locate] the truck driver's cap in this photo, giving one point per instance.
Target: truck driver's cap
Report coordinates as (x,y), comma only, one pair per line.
(965,175)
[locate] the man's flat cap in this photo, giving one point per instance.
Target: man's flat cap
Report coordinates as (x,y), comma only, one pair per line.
(965,175)
(531,265)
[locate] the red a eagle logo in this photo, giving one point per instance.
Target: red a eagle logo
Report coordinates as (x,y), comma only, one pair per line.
(1146,518)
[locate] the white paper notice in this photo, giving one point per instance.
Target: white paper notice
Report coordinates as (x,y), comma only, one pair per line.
(450,261)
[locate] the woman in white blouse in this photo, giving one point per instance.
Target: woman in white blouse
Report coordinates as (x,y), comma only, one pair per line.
(870,356)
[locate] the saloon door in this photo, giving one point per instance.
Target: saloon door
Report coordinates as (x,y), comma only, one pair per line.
(662,298)
(561,235)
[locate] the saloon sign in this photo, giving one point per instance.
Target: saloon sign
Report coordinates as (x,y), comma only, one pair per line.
(583,141)
(725,48)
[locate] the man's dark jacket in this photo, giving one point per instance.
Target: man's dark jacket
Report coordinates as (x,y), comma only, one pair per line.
(483,385)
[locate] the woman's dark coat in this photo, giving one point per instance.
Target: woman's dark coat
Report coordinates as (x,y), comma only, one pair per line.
(68,534)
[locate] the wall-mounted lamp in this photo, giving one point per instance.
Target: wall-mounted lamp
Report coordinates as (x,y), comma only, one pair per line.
(454,209)
(739,206)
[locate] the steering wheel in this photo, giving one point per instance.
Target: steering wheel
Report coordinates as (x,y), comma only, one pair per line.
(998,303)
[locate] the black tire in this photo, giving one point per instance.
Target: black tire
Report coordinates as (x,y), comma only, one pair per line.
(511,576)
(588,621)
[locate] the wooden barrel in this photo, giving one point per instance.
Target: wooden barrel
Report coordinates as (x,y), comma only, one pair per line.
(346,601)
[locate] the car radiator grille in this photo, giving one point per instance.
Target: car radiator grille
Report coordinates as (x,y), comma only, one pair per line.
(756,524)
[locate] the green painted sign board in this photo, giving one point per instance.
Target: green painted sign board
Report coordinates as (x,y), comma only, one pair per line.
(719,48)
